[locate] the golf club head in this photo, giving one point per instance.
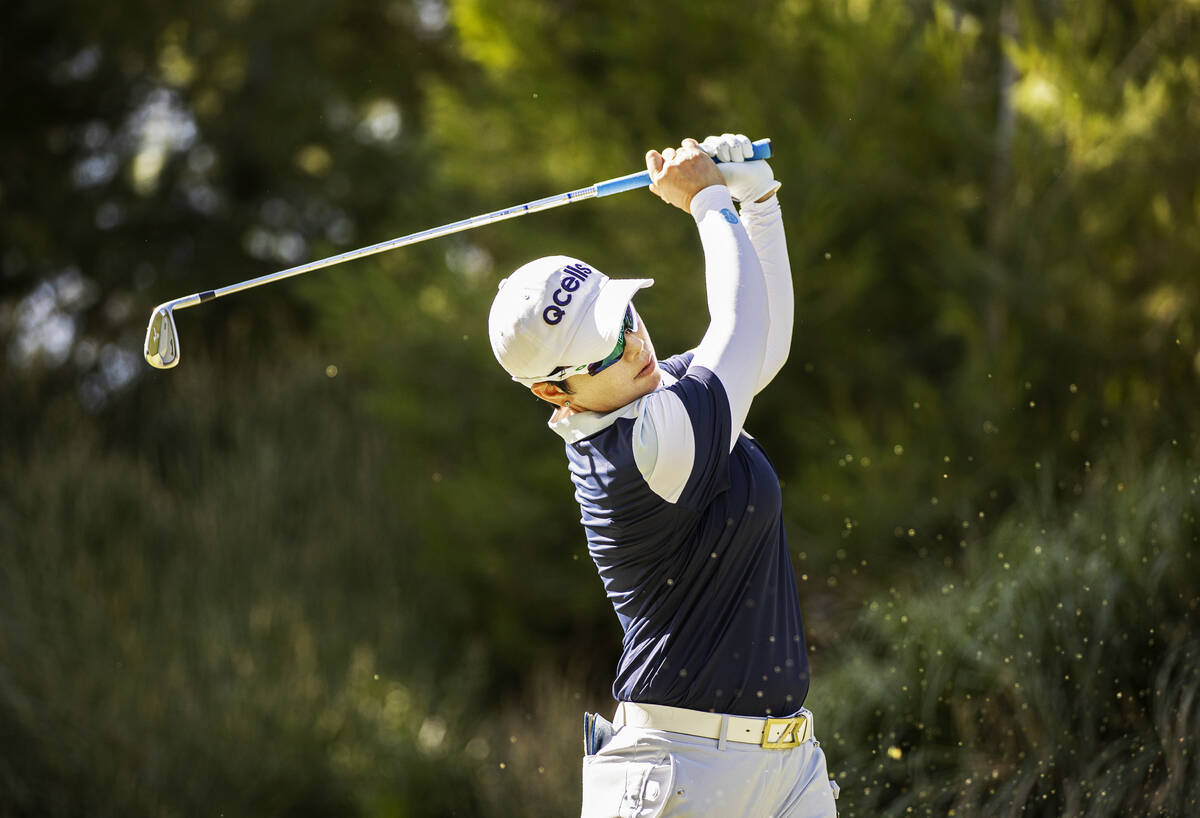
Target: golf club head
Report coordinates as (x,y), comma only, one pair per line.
(162,342)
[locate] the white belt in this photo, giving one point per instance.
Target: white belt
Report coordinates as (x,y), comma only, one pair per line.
(771,734)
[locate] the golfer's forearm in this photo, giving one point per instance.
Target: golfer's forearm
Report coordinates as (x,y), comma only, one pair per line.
(764,225)
(736,339)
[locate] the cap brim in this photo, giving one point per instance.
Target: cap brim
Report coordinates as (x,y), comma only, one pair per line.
(608,313)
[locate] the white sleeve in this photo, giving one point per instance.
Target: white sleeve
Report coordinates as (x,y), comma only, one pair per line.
(764,225)
(734,345)
(664,444)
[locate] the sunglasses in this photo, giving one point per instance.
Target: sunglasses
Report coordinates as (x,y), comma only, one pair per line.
(628,324)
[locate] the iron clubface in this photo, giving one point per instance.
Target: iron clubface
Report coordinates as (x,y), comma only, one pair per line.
(162,341)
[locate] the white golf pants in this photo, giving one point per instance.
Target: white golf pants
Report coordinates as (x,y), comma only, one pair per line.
(646,773)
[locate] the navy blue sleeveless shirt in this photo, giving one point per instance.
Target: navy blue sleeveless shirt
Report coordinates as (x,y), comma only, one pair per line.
(701,579)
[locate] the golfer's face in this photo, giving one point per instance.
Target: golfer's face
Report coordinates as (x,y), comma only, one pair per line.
(634,375)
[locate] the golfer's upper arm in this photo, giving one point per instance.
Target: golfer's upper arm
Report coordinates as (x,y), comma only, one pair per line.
(681,439)
(764,225)
(664,444)
(735,343)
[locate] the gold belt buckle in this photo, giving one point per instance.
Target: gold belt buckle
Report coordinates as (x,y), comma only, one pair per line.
(793,728)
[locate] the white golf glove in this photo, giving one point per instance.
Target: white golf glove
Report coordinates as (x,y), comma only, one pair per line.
(747,181)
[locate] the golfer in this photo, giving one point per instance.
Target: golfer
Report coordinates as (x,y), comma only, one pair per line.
(681,507)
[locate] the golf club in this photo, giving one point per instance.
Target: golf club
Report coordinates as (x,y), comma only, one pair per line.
(162,339)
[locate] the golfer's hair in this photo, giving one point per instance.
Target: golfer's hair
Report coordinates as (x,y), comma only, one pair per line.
(563,385)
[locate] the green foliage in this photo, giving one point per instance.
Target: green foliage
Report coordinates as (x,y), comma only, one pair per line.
(220,616)
(1056,675)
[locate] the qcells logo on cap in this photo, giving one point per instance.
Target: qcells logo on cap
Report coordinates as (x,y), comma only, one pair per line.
(573,276)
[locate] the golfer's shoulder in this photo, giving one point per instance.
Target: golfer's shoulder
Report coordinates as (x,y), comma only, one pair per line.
(677,365)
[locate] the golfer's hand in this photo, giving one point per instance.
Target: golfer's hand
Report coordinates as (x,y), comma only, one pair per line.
(748,181)
(678,174)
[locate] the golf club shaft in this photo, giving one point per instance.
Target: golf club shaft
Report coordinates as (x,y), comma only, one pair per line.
(762,150)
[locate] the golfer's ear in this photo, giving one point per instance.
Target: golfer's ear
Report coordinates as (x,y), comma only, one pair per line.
(550,392)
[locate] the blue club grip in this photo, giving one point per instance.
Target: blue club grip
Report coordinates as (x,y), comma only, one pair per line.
(762,150)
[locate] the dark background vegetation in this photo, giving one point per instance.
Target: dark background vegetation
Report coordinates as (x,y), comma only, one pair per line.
(331,564)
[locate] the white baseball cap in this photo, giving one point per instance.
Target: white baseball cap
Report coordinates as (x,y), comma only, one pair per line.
(557,311)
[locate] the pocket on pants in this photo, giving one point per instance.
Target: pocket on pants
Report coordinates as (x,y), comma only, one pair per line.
(621,787)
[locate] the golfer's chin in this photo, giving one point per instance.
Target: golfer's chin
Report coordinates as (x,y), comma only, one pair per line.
(646,380)
(651,380)
(649,370)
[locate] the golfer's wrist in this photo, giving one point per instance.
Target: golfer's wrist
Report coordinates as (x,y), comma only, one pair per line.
(767,205)
(713,197)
